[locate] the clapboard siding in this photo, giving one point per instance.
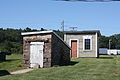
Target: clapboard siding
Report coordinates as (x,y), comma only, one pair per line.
(79,37)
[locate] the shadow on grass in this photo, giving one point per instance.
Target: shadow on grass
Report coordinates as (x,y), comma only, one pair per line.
(4,73)
(9,60)
(105,58)
(71,63)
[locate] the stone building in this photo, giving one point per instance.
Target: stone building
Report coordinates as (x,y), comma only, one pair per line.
(83,43)
(44,49)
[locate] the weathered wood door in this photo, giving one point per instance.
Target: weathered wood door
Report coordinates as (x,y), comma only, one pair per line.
(73,48)
(36,54)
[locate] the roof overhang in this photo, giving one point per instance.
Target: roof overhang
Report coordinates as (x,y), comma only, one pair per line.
(84,32)
(35,33)
(44,32)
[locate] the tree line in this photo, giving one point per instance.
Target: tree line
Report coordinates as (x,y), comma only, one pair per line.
(113,40)
(11,40)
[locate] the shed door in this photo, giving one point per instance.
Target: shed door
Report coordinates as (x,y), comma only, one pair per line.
(73,48)
(36,54)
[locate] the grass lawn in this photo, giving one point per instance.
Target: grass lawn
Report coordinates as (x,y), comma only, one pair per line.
(103,68)
(13,62)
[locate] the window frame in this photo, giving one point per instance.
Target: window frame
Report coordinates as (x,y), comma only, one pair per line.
(90,38)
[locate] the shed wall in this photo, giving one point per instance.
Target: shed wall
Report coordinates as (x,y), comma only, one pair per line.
(46,38)
(79,37)
(60,52)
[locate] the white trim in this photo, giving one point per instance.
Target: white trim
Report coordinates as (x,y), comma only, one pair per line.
(42,43)
(96,45)
(87,37)
(38,32)
(77,46)
(65,37)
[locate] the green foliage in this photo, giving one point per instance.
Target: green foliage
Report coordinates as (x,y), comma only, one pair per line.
(115,41)
(104,42)
(11,39)
(61,34)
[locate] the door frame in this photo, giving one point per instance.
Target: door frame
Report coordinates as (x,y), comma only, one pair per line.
(77,46)
(38,43)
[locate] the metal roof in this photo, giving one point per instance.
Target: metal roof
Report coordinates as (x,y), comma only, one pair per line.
(37,32)
(83,32)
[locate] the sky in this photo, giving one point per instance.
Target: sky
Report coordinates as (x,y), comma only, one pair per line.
(48,14)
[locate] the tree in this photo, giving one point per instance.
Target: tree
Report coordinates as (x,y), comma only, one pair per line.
(115,41)
(103,42)
(11,39)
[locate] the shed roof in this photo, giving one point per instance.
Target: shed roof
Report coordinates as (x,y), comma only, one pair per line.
(84,32)
(44,32)
(36,32)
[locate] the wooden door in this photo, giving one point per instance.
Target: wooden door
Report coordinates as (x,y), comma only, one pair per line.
(73,48)
(36,54)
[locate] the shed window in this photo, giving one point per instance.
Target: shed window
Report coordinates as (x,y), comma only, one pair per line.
(87,44)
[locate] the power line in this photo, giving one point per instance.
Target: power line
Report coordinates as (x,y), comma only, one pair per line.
(73,28)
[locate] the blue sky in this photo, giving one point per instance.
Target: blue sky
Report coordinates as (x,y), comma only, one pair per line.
(49,15)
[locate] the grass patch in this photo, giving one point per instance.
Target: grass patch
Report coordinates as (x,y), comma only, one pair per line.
(102,68)
(13,62)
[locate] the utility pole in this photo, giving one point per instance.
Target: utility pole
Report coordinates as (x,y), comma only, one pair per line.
(109,43)
(62,27)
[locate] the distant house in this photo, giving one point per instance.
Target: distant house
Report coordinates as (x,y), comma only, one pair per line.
(44,49)
(113,51)
(83,43)
(103,51)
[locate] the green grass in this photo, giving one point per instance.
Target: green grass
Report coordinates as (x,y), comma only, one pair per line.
(13,62)
(103,68)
